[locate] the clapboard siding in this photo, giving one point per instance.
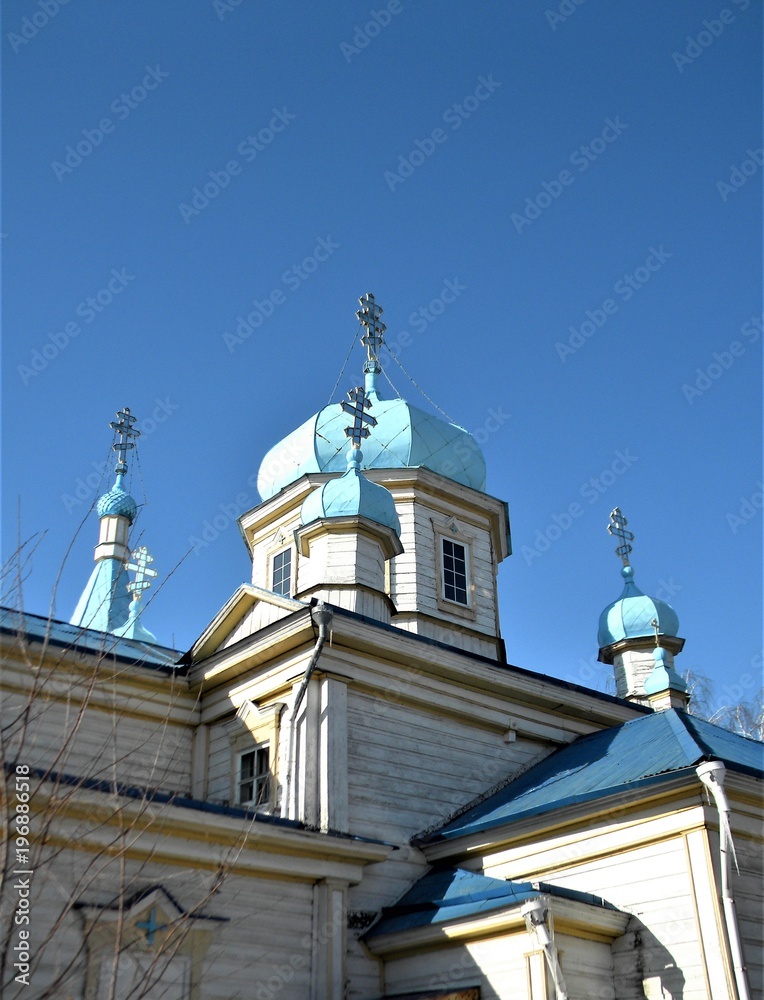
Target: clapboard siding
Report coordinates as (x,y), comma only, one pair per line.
(748,889)
(108,746)
(257,617)
(652,883)
(502,967)
(220,766)
(409,768)
(264,938)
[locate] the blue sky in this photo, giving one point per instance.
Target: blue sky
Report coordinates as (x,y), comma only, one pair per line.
(581,181)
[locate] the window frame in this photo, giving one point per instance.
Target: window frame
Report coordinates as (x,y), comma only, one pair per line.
(453,532)
(272,557)
(260,779)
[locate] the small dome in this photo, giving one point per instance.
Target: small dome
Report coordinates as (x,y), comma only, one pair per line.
(403,437)
(630,616)
(117,503)
(663,677)
(352,495)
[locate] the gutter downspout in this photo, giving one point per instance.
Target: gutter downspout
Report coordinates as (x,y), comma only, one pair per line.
(322,615)
(711,774)
(535,912)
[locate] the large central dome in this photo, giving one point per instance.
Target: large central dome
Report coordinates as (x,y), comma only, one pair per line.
(404,437)
(396,435)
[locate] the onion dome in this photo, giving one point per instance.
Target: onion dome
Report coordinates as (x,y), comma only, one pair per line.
(404,437)
(664,677)
(352,495)
(117,503)
(631,616)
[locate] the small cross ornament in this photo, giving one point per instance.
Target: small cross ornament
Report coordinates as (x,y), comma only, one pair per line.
(359,403)
(143,573)
(150,926)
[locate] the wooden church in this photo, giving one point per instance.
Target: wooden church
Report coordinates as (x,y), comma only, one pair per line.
(343,789)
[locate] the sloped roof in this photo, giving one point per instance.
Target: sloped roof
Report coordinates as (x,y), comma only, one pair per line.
(63,635)
(456,894)
(641,751)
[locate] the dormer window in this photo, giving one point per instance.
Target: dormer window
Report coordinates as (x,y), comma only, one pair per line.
(455,580)
(281,573)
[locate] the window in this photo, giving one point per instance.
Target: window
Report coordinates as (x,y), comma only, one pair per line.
(254,773)
(454,572)
(281,573)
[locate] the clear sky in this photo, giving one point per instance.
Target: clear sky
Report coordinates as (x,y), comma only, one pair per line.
(557,205)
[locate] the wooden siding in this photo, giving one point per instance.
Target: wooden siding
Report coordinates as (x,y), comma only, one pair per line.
(410,768)
(108,744)
(415,580)
(653,883)
(506,966)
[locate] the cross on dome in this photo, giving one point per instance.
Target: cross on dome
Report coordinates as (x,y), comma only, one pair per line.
(359,403)
(143,573)
(369,317)
(124,426)
(617,527)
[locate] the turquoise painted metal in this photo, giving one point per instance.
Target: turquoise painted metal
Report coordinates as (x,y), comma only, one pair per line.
(632,614)
(105,601)
(404,437)
(117,503)
(351,495)
(663,677)
(637,754)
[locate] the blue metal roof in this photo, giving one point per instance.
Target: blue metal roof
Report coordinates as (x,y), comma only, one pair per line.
(639,752)
(403,437)
(456,894)
(62,634)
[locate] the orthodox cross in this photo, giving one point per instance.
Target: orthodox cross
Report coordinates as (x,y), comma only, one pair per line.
(125,431)
(151,927)
(617,527)
(359,403)
(368,316)
(656,626)
(143,573)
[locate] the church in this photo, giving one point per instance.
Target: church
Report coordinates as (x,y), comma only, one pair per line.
(343,789)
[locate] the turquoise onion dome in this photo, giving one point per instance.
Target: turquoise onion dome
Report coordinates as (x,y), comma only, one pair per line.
(631,615)
(663,677)
(117,503)
(403,437)
(352,495)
